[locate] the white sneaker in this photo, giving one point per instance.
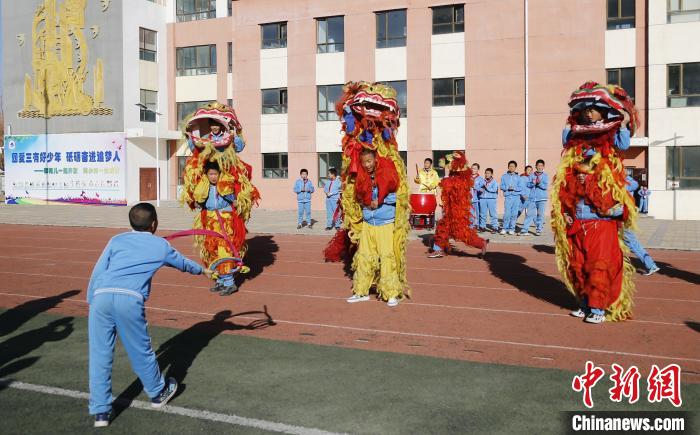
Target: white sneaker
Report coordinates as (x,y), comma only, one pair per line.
(523,234)
(578,313)
(511,233)
(538,233)
(392,302)
(503,232)
(652,271)
(357,298)
(594,318)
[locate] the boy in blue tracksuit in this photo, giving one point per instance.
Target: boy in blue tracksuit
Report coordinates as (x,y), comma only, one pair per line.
(644,193)
(510,185)
(303,187)
(478,182)
(488,195)
(525,189)
(332,191)
(539,182)
(633,242)
(119,286)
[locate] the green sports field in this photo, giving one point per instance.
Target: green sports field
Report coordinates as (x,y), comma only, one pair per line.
(314,387)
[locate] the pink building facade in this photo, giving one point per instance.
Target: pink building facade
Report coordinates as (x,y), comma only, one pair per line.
(472,76)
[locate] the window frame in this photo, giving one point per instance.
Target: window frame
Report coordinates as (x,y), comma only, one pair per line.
(322,175)
(386,39)
(281,36)
(148,115)
(328,114)
(619,22)
(694,98)
(681,12)
(323,47)
(181,165)
(178,105)
(198,70)
(455,95)
(196,14)
(145,54)
(629,89)
(454,24)
(282,101)
(675,165)
(283,171)
(229,48)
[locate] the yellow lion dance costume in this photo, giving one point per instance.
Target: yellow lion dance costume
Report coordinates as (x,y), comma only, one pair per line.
(224,206)
(374,204)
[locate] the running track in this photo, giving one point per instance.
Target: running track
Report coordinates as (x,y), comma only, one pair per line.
(510,308)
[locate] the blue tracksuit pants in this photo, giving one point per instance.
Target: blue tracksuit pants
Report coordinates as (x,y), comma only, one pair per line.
(535,212)
(636,247)
(510,215)
(331,207)
(487,213)
(304,212)
(123,314)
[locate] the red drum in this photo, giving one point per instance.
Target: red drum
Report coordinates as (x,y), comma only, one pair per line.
(423,203)
(423,207)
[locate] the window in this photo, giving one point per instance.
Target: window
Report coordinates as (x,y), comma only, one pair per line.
(683,11)
(274,101)
(274,165)
(191,10)
(391,29)
(401,95)
(150,100)
(327,96)
(330,35)
(684,84)
(229,102)
(325,162)
(181,162)
(623,77)
(620,14)
(274,35)
(437,155)
(683,166)
(147,44)
(187,108)
(229,6)
(198,60)
(448,92)
(404,157)
(448,19)
(230,57)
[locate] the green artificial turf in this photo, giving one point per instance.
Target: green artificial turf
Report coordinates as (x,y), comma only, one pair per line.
(323,387)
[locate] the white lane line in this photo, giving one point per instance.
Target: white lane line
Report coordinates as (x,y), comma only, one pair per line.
(176,410)
(411,334)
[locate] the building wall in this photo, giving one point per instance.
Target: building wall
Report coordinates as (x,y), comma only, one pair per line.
(670,43)
(102,33)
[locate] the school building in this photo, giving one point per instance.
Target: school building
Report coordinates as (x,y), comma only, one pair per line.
(489,77)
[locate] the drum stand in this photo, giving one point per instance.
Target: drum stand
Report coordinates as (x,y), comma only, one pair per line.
(422,221)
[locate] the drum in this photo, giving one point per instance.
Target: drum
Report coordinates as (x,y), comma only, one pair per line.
(423,203)
(423,207)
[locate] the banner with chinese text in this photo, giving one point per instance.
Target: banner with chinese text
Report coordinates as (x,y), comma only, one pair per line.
(85,168)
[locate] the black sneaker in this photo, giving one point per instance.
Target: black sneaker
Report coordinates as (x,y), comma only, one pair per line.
(165,395)
(217,288)
(102,420)
(228,290)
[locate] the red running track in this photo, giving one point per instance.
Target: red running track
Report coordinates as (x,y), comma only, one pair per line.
(510,308)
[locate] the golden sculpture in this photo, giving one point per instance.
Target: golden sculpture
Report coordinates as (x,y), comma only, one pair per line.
(59,62)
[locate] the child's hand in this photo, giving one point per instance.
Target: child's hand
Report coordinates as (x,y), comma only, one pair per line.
(208,273)
(568,219)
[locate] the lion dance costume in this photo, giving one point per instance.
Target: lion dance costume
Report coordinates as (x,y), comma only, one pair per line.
(590,251)
(370,116)
(219,233)
(456,207)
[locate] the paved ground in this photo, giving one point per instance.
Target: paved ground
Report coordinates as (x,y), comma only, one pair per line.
(653,233)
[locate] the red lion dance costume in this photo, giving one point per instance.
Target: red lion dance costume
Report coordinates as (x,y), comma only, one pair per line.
(456,207)
(370,116)
(219,232)
(590,205)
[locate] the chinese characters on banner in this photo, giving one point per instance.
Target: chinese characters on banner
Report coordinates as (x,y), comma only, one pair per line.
(88,168)
(662,384)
